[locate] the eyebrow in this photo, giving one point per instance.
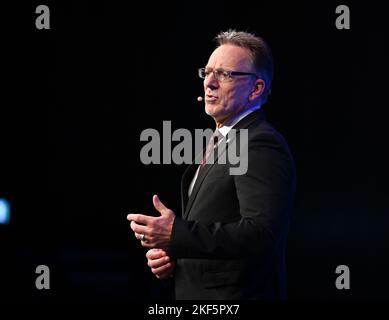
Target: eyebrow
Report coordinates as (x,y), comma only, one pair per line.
(219,68)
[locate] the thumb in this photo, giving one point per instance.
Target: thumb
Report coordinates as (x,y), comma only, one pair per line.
(159,205)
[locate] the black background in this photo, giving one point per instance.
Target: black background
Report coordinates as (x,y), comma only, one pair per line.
(75,99)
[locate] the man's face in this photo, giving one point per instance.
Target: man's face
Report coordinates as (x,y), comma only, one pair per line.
(224,100)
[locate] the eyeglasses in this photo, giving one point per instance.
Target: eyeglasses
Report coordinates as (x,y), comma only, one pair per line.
(223,75)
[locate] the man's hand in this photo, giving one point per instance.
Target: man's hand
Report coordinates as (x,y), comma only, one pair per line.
(154,232)
(160,263)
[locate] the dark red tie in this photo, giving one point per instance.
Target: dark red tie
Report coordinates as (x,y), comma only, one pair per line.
(211,146)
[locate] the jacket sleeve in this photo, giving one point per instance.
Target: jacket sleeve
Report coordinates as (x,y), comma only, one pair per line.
(265,194)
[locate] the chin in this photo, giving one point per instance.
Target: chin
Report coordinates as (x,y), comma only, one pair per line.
(211,109)
(215,111)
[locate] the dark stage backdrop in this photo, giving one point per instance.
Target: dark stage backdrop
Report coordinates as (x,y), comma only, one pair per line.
(76,98)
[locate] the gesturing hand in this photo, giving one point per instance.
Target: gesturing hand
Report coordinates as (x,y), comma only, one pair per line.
(160,263)
(154,232)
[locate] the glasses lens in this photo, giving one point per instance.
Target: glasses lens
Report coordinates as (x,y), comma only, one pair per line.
(220,75)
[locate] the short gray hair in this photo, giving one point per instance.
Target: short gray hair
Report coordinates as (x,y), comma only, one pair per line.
(261,55)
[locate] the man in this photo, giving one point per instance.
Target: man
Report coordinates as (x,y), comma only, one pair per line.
(230,241)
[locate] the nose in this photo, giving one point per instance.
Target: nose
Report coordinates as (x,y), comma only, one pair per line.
(211,82)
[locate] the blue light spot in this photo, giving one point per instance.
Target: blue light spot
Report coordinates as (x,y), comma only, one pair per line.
(4,211)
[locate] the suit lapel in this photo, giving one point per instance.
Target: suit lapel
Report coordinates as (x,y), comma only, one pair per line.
(190,171)
(218,151)
(202,173)
(185,182)
(257,115)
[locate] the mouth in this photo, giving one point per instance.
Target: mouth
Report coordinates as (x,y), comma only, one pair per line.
(210,98)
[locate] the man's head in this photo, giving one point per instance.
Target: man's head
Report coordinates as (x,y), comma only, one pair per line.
(229,93)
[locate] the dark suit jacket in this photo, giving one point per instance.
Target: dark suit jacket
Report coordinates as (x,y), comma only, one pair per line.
(230,241)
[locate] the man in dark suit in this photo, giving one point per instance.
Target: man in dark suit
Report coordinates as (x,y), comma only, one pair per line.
(230,241)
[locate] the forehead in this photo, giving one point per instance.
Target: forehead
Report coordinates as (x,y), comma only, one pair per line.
(230,56)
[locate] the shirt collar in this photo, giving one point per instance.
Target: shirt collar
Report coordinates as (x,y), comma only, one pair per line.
(224,130)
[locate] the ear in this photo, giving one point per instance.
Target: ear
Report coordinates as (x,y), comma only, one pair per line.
(259,88)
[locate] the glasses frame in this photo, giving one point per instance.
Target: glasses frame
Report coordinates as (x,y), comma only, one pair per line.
(228,74)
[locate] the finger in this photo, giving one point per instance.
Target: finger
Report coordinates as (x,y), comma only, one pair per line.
(159,205)
(137,228)
(147,244)
(139,218)
(168,273)
(165,268)
(164,275)
(156,263)
(155,254)
(139,237)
